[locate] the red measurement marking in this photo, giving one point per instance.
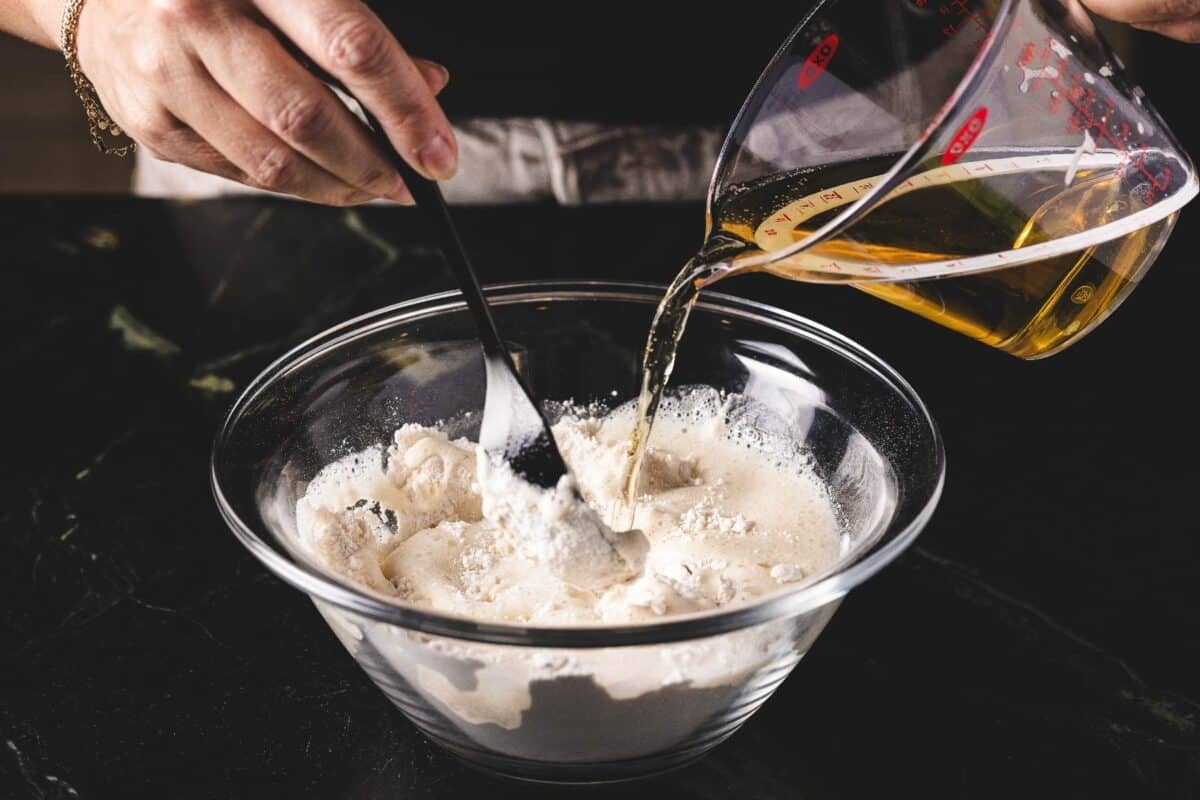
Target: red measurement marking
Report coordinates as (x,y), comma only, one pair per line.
(817,61)
(1140,163)
(966,136)
(1079,97)
(961,9)
(1085,115)
(1084,119)
(1026,55)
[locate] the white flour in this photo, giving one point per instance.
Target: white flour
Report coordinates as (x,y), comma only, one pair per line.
(727,515)
(721,521)
(555,529)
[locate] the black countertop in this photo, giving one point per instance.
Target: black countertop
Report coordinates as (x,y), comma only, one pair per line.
(1040,640)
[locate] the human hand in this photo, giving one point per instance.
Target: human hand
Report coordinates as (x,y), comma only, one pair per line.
(208,83)
(1176,19)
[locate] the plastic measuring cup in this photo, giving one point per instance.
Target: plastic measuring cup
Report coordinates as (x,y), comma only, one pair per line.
(908,145)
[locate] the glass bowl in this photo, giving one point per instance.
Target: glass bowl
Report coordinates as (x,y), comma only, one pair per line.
(590,703)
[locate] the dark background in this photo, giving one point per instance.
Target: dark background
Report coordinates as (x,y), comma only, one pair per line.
(622,62)
(1040,639)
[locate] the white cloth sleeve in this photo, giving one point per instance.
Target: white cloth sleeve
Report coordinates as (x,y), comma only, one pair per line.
(514,160)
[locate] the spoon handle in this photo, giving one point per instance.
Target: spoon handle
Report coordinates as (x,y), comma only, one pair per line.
(513,425)
(429,199)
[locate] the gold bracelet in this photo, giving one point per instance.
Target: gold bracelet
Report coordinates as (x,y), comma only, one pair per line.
(100,124)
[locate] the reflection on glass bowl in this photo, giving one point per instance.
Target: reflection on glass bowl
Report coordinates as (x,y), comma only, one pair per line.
(588,703)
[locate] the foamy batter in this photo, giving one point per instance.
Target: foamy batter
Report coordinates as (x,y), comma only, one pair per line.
(726,516)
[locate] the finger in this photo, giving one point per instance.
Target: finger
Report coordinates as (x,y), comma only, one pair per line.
(249,63)
(1184,30)
(184,146)
(436,76)
(166,138)
(267,161)
(345,38)
(1144,10)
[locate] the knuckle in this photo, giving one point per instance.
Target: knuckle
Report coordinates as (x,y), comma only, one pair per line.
(1177,9)
(411,111)
(298,117)
(411,102)
(273,168)
(358,43)
(181,10)
(161,131)
(152,61)
(374,176)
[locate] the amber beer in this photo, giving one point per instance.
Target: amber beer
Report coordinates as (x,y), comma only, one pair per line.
(946,215)
(1031,311)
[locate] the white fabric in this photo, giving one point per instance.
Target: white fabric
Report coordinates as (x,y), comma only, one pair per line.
(516,160)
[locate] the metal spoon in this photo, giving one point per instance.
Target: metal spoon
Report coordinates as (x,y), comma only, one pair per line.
(513,428)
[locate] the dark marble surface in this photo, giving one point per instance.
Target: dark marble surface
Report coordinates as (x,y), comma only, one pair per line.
(1039,641)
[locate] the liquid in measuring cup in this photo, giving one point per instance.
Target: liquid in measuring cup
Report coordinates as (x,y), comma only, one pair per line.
(982,163)
(947,215)
(929,226)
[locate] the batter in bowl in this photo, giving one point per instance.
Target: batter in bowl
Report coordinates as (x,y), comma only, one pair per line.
(727,515)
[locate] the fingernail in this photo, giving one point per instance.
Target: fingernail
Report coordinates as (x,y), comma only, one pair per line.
(438,158)
(445,73)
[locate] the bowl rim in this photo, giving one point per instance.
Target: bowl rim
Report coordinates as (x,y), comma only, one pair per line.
(786,602)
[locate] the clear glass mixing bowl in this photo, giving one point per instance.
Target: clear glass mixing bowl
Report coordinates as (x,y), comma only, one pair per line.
(586,703)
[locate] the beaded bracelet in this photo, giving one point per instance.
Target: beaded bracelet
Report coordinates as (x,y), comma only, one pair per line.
(100,125)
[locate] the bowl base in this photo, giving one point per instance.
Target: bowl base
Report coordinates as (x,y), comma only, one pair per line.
(577,774)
